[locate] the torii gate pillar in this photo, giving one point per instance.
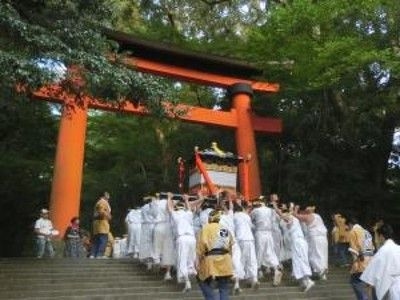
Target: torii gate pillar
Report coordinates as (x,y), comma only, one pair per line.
(68,166)
(250,185)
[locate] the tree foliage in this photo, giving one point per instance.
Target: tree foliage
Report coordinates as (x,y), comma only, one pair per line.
(39,38)
(338,64)
(27,135)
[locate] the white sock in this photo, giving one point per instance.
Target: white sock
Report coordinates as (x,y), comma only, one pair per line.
(236,286)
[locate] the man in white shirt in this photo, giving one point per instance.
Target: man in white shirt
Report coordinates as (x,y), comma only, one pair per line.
(146,233)
(245,238)
(226,220)
(133,223)
(317,235)
(383,271)
(276,229)
(163,240)
(262,218)
(44,232)
(182,222)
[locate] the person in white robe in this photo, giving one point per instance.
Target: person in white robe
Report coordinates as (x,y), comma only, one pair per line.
(146,234)
(383,271)
(182,222)
(245,239)
(286,252)
(317,238)
(198,215)
(133,221)
(163,240)
(277,234)
(262,218)
(206,208)
(227,221)
(301,269)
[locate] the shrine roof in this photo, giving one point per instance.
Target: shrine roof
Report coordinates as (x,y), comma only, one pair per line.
(211,156)
(176,56)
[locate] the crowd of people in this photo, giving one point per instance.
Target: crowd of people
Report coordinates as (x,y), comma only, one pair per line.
(224,238)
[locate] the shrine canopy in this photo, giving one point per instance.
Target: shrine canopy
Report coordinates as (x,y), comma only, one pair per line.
(213,168)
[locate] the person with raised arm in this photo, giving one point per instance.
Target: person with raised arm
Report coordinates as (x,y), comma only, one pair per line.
(146,233)
(227,221)
(317,240)
(276,228)
(301,270)
(245,238)
(163,240)
(263,218)
(182,222)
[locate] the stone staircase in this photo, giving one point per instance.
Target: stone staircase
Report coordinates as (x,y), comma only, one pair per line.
(114,279)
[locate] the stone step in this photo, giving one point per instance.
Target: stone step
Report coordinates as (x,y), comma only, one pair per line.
(156,293)
(12,285)
(115,279)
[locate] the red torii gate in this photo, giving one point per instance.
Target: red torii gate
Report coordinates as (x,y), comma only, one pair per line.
(67,177)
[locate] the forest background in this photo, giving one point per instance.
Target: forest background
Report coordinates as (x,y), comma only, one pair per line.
(337,61)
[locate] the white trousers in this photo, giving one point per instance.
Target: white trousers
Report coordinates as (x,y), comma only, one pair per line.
(318,253)
(286,252)
(119,248)
(265,249)
(163,245)
(300,263)
(146,241)
(394,291)
(238,270)
(186,257)
(278,239)
(249,260)
(133,238)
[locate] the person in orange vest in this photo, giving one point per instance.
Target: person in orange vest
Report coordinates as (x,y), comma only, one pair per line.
(362,250)
(214,257)
(101,226)
(340,239)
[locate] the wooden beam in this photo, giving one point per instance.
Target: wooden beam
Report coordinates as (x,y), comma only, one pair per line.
(199,77)
(187,113)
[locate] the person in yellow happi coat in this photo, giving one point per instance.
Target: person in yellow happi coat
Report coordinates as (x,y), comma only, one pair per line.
(214,260)
(340,239)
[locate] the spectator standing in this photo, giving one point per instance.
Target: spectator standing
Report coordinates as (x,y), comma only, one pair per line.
(340,239)
(44,232)
(358,238)
(73,240)
(101,226)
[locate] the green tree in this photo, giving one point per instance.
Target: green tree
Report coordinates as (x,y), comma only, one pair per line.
(27,135)
(38,38)
(338,65)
